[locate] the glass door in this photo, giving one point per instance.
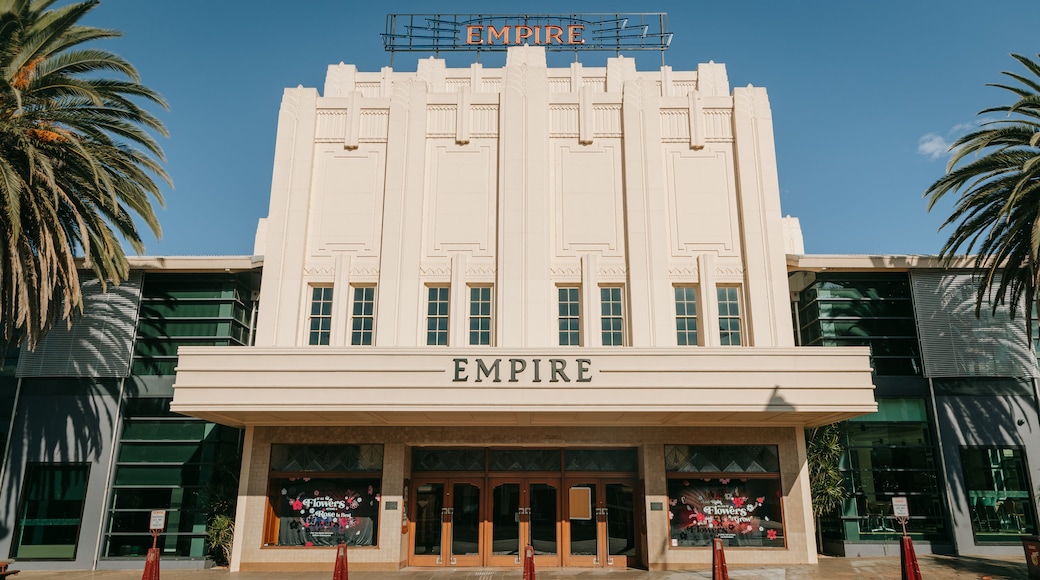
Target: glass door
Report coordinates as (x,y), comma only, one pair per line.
(447,524)
(524,511)
(599,523)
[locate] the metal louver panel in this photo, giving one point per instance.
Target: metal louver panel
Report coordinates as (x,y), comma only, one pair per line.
(954,343)
(99,343)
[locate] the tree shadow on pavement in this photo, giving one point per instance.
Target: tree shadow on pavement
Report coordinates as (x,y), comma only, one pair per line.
(995,568)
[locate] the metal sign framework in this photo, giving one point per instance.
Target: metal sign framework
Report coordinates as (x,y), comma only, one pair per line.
(615,32)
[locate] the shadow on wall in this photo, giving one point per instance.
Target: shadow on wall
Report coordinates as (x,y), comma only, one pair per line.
(981,421)
(968,359)
(779,404)
(69,398)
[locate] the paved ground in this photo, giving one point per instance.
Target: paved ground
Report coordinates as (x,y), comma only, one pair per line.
(932,567)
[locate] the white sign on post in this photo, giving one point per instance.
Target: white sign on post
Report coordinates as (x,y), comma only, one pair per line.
(900,508)
(158,520)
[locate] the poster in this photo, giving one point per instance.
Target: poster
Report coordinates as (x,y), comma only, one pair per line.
(325,512)
(742,512)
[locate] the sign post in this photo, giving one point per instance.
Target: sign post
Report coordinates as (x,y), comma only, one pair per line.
(156,524)
(907,556)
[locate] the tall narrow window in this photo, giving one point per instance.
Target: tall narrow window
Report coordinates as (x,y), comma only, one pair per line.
(612,319)
(321,315)
(686,315)
(51,512)
(570,316)
(729,316)
(437,316)
(480,315)
(363,315)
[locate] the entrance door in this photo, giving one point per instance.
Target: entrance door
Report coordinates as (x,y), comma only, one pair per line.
(524,511)
(599,523)
(447,523)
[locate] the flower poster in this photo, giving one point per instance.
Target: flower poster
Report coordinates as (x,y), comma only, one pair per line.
(740,511)
(325,512)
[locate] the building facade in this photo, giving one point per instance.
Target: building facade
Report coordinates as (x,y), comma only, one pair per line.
(956,429)
(91,446)
(525,305)
(500,307)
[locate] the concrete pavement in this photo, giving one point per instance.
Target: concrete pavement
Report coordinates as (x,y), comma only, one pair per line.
(932,566)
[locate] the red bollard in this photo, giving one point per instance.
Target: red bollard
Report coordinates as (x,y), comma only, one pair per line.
(718,561)
(151,565)
(908,559)
(529,562)
(151,561)
(340,573)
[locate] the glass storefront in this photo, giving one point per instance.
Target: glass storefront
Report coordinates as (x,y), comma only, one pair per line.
(322,495)
(891,453)
(480,507)
(997,483)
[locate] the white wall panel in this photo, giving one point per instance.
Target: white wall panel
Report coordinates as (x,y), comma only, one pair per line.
(588,199)
(461,198)
(348,213)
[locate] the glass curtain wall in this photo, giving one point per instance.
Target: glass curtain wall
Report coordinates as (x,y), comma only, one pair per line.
(167,461)
(894,451)
(891,453)
(863,309)
(190,310)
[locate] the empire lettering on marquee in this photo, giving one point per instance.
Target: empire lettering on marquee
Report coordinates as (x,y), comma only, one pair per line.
(475,34)
(555,369)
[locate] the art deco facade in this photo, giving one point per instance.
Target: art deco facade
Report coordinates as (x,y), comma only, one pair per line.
(547,306)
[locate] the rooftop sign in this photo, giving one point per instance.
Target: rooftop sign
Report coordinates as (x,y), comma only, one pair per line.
(497,32)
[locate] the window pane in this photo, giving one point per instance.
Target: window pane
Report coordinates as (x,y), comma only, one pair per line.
(51,511)
(997,482)
(321,316)
(747,511)
(480,315)
(570,316)
(611,319)
(363,317)
(325,512)
(437,316)
(729,317)
(686,316)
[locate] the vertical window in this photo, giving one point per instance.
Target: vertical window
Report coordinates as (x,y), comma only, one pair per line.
(51,512)
(570,316)
(437,316)
(321,316)
(729,316)
(997,482)
(480,315)
(166,461)
(363,315)
(686,315)
(612,320)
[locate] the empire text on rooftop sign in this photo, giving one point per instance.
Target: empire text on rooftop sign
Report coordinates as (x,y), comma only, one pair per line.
(484,32)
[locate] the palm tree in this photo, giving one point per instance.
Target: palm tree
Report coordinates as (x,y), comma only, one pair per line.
(78,162)
(997,215)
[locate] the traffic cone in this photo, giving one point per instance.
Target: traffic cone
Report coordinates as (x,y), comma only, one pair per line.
(340,573)
(718,561)
(151,565)
(908,559)
(529,562)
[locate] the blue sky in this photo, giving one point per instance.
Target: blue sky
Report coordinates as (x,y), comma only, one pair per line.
(865,96)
